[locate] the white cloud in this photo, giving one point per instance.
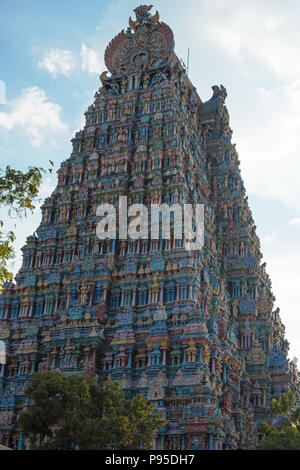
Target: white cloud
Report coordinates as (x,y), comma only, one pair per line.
(295,222)
(281,251)
(269,238)
(58,61)
(91,62)
(47,187)
(272,23)
(2,92)
(269,146)
(251,32)
(35,114)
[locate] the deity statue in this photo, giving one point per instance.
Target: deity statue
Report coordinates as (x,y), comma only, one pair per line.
(69,349)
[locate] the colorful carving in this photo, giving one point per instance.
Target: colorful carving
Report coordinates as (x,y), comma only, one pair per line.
(195,332)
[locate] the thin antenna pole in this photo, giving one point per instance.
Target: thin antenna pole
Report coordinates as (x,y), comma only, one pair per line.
(188,61)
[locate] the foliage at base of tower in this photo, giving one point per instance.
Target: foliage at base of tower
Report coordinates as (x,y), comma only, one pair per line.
(18,192)
(284,433)
(73,411)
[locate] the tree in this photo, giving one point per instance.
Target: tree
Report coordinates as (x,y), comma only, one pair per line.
(284,433)
(18,191)
(75,411)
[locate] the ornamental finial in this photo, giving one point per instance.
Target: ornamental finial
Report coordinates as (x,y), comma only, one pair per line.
(143,17)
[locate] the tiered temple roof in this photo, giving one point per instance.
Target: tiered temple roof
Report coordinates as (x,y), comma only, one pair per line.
(193,331)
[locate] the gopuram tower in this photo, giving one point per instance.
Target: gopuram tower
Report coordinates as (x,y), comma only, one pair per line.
(193,331)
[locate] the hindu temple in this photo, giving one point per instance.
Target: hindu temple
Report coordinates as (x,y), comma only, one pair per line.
(195,331)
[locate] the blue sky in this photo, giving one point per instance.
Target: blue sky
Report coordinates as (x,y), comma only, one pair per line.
(51,56)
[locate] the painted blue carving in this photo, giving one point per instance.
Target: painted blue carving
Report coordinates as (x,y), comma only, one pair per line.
(7,397)
(205,275)
(232,335)
(100,268)
(77,270)
(126,317)
(54,278)
(246,306)
(30,281)
(212,325)
(130,268)
(157,265)
(250,262)
(75,313)
(158,329)
(213,279)
(8,285)
(47,235)
(276,359)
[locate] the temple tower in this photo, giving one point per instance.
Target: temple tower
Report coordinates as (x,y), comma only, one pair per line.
(193,331)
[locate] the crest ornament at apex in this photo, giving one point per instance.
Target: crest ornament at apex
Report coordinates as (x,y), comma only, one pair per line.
(147,44)
(143,18)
